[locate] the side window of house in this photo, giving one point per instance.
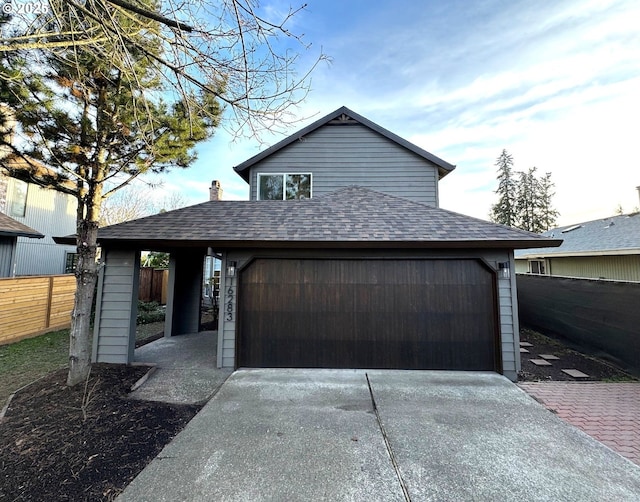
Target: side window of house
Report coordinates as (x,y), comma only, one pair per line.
(536,267)
(71,262)
(18,205)
(3,195)
(284,186)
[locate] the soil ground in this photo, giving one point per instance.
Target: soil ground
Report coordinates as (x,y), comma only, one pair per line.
(87,444)
(598,369)
(84,444)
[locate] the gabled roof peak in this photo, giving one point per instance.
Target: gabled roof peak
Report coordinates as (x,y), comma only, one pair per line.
(343,116)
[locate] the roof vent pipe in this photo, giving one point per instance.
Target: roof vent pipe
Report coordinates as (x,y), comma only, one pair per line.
(638,189)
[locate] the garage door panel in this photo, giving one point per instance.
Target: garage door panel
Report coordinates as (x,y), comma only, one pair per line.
(417,314)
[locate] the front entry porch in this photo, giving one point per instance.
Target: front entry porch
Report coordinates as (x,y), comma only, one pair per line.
(186,371)
(117,302)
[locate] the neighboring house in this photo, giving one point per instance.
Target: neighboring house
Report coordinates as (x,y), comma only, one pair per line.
(341,259)
(608,248)
(48,212)
(10,231)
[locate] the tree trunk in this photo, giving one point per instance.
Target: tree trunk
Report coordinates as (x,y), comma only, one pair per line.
(86,278)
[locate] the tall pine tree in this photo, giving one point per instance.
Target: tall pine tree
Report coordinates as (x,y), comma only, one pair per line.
(528,202)
(504,210)
(548,214)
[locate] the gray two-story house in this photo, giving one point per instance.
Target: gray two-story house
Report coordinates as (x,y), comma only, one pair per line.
(340,259)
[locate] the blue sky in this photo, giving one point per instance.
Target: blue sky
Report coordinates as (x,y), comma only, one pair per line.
(556,83)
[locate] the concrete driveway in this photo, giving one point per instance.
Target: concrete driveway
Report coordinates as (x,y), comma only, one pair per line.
(286,434)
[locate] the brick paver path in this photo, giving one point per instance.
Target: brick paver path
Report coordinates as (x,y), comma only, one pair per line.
(608,412)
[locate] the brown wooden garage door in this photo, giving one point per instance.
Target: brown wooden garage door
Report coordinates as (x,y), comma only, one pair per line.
(412,314)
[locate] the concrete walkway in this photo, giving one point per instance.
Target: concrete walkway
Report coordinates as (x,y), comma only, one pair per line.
(608,412)
(186,369)
(442,436)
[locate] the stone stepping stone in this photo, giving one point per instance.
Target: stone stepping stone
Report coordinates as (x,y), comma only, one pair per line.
(526,344)
(548,357)
(523,350)
(540,362)
(575,373)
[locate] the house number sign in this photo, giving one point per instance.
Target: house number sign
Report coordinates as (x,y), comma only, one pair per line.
(228,305)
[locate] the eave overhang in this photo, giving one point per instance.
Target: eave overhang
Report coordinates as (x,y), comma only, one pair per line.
(166,244)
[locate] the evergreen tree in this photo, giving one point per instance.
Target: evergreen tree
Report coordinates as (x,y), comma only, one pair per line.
(503,211)
(548,215)
(527,208)
(90,115)
(525,201)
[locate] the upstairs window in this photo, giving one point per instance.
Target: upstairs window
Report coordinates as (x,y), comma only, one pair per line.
(284,186)
(18,205)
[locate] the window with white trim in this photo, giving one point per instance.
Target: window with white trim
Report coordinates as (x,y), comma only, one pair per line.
(285,186)
(18,205)
(537,267)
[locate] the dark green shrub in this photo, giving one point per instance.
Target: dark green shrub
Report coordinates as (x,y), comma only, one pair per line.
(149,312)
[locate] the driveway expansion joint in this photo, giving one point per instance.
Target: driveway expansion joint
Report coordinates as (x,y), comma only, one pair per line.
(387,444)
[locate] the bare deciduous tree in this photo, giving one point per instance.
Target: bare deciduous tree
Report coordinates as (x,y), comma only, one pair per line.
(125,205)
(132,202)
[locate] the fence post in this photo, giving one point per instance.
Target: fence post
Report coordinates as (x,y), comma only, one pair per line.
(47,321)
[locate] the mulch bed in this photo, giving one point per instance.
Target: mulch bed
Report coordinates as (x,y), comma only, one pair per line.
(67,444)
(569,358)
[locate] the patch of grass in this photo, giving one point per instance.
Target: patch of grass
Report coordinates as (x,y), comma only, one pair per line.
(27,360)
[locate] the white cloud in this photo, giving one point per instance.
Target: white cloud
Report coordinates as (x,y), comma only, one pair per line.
(556,84)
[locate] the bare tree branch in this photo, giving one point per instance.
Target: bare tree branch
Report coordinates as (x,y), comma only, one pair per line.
(172,23)
(194,46)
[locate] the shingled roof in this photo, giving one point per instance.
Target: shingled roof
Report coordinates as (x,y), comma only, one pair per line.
(345,116)
(615,235)
(349,217)
(13,228)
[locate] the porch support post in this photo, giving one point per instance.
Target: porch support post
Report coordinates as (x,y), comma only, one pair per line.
(184,292)
(114,334)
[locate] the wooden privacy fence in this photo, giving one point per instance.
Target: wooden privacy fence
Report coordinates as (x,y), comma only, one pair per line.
(30,306)
(153,285)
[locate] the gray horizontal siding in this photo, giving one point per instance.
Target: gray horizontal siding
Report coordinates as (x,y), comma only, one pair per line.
(116,308)
(227,319)
(7,246)
(339,156)
(41,256)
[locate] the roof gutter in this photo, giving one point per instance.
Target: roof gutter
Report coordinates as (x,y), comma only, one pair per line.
(11,233)
(569,254)
(160,244)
